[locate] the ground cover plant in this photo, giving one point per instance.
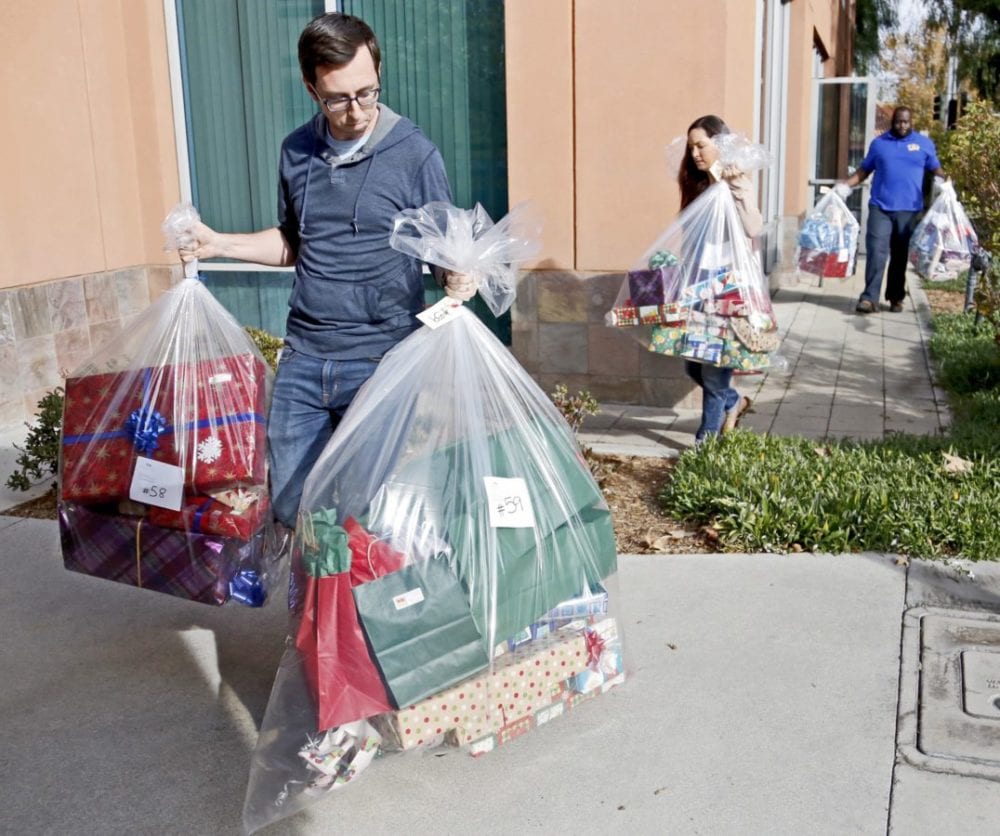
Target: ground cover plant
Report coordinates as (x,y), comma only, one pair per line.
(919,496)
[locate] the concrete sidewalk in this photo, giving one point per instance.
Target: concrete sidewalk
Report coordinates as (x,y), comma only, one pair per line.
(769,694)
(764,698)
(839,375)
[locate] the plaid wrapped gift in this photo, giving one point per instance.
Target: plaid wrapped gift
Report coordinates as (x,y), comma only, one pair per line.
(133,551)
(111,419)
(209,515)
(656,286)
(645,287)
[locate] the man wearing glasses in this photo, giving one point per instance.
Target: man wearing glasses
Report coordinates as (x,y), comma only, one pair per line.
(342,177)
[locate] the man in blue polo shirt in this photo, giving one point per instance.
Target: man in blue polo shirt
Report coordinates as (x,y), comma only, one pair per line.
(899,158)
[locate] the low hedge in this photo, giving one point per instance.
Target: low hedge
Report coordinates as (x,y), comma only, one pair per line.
(913,495)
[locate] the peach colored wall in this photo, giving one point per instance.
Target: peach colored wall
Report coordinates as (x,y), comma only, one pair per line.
(596,92)
(643,74)
(91,172)
(540,117)
(819,19)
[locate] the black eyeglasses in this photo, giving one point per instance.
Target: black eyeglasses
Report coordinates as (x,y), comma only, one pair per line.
(338,104)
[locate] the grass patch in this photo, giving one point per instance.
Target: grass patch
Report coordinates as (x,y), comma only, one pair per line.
(922,496)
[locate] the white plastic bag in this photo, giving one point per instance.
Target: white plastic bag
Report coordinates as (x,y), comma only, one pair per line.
(699,291)
(163,461)
(943,243)
(450,537)
(467,241)
(828,239)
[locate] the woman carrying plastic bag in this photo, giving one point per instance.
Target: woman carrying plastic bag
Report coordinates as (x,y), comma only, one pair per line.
(452,547)
(163,479)
(700,285)
(943,243)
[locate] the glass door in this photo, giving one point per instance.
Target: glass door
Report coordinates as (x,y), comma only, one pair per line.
(844,125)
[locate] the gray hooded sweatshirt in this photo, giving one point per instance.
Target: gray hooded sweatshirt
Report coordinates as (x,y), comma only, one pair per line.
(354,296)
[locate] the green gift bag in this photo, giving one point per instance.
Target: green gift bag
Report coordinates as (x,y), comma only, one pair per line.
(420,630)
(535,570)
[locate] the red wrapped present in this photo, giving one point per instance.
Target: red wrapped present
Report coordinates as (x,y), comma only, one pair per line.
(208,417)
(823,263)
(235,513)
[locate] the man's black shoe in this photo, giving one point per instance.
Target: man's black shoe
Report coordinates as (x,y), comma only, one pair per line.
(864,306)
(896,307)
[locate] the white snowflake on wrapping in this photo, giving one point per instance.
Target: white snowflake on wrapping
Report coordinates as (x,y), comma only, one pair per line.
(210,449)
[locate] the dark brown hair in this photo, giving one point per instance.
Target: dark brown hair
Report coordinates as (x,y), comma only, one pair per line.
(690,178)
(335,39)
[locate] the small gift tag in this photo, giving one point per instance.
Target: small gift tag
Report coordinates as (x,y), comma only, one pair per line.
(157,483)
(440,312)
(510,504)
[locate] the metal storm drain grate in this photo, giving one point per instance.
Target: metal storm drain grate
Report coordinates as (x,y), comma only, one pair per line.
(949,712)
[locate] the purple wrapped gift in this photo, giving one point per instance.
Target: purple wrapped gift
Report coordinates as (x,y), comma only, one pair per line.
(654,287)
(646,287)
(131,550)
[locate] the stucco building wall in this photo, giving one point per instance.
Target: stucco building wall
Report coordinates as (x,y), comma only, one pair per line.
(595,94)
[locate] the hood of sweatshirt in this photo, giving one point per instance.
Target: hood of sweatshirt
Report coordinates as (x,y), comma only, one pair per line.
(381,137)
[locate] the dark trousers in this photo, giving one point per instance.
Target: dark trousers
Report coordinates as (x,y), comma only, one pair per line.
(887,238)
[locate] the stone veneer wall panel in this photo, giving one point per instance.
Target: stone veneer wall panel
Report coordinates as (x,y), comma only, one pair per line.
(49,329)
(559,336)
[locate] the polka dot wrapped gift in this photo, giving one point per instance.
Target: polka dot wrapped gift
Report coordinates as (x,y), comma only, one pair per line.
(521,682)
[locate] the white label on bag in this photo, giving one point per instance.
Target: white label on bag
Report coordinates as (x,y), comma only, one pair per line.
(509,503)
(715,255)
(440,312)
(408,598)
(843,255)
(221,377)
(157,483)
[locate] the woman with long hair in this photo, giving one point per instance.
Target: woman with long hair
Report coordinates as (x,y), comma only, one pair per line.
(722,406)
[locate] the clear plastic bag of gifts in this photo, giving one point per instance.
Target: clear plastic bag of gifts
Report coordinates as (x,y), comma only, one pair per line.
(454,570)
(943,243)
(163,473)
(828,239)
(698,292)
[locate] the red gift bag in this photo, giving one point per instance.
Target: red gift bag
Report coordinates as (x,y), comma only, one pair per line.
(340,671)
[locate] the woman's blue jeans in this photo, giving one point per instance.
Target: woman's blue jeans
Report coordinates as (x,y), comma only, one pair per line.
(717,396)
(309,399)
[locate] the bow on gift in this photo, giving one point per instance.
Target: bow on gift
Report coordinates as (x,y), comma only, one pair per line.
(145,426)
(595,647)
(247,587)
(663,258)
(328,552)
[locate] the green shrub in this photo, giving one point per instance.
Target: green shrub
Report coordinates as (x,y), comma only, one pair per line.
(574,408)
(966,354)
(39,457)
(773,494)
(268,345)
(904,494)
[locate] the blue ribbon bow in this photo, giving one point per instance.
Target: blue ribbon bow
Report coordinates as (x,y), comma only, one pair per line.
(247,587)
(145,426)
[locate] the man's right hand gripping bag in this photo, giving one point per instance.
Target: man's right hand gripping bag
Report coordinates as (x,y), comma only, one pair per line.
(454,567)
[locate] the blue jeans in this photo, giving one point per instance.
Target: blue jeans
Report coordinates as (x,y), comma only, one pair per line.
(887,238)
(717,396)
(309,399)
